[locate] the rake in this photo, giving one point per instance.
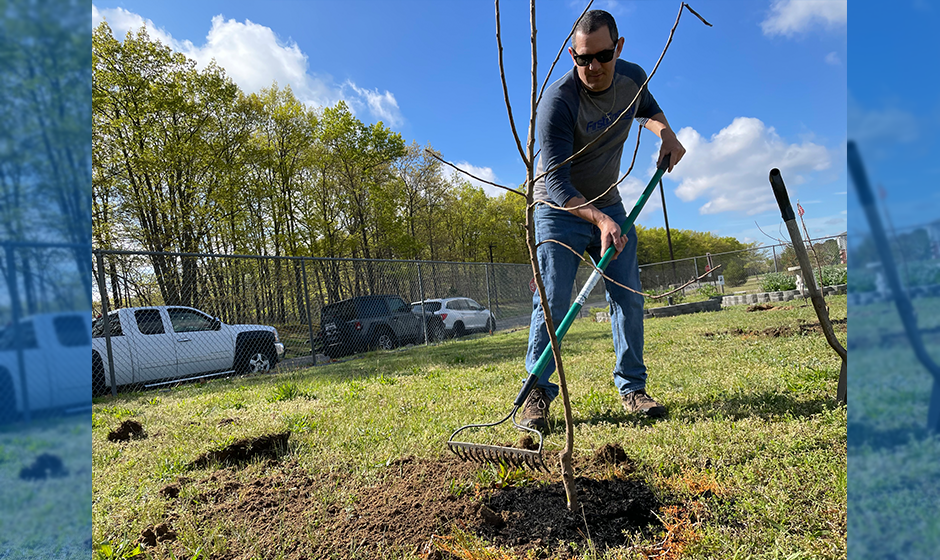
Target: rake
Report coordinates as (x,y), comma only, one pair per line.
(515,457)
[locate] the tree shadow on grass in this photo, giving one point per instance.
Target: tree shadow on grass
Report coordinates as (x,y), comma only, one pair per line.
(766,405)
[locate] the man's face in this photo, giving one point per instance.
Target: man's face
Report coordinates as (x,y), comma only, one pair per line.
(596,76)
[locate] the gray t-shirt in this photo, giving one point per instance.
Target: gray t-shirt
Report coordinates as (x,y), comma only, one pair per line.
(571,116)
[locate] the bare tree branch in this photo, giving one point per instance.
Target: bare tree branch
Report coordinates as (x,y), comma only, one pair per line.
(561,50)
(502,77)
(624,176)
(471,175)
(637,96)
(628,288)
(777,239)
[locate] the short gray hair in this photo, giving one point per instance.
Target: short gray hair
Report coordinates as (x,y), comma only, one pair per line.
(594,20)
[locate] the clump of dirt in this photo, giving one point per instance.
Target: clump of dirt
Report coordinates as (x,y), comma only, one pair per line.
(45,466)
(299,514)
(227,421)
(526,442)
(610,454)
(244,450)
(759,307)
(158,533)
(129,429)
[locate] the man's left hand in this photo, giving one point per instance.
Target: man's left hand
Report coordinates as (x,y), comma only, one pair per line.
(672,146)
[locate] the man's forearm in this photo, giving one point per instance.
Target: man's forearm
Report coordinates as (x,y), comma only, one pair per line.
(657,124)
(588,212)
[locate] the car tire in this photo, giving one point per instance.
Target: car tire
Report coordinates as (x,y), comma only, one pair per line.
(260,362)
(436,332)
(385,340)
(7,398)
(459,329)
(490,325)
(99,383)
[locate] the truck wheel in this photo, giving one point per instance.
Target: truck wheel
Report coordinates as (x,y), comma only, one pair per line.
(259,362)
(7,398)
(99,383)
(385,340)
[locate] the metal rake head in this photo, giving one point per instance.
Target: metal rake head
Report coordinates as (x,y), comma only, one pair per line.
(499,455)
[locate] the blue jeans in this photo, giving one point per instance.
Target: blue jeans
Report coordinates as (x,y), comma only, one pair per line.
(559,266)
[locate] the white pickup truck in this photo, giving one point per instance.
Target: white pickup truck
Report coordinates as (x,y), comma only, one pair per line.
(152,345)
(54,347)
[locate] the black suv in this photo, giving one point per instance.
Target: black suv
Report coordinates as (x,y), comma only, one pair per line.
(367,323)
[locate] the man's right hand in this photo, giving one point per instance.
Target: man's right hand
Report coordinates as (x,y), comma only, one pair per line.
(610,229)
(611,235)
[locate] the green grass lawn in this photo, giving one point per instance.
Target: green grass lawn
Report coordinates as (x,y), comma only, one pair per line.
(45,517)
(752,419)
(895,464)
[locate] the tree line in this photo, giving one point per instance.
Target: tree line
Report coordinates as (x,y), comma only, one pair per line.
(184,161)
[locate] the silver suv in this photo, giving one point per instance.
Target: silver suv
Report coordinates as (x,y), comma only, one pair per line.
(454,317)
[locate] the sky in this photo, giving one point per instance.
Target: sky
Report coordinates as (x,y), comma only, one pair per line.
(765,87)
(894,111)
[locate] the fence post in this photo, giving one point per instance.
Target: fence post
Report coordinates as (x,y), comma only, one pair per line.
(774,249)
(489,302)
(424,317)
(17,331)
(103,292)
(695,264)
(303,274)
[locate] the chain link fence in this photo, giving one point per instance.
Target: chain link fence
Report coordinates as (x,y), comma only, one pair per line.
(44,341)
(180,315)
(186,315)
(744,271)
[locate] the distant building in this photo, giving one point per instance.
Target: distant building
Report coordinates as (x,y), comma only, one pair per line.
(842,241)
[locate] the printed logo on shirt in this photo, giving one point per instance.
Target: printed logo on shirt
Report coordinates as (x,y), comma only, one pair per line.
(604,122)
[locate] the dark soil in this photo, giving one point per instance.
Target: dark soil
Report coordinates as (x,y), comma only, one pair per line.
(129,429)
(838,325)
(297,514)
(45,466)
(244,450)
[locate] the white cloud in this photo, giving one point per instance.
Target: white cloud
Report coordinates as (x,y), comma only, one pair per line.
(255,57)
(730,169)
(833,59)
(630,190)
(485,173)
(886,125)
(792,17)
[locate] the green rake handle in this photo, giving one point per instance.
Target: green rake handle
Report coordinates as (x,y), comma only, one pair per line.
(591,282)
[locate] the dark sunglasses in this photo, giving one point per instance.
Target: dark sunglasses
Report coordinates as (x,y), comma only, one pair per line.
(602,57)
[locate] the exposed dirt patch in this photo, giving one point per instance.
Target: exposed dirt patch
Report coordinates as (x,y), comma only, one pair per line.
(307,515)
(45,466)
(838,325)
(759,307)
(128,430)
(244,450)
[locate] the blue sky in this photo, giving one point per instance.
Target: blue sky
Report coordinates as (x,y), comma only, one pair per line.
(894,109)
(765,87)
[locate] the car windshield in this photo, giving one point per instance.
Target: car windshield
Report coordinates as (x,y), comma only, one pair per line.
(429,306)
(341,312)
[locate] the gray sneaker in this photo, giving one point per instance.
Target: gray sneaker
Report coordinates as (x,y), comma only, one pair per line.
(640,402)
(535,410)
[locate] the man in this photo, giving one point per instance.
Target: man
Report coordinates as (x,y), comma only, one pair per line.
(575,110)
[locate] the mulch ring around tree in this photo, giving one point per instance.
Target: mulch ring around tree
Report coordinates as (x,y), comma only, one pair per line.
(418,506)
